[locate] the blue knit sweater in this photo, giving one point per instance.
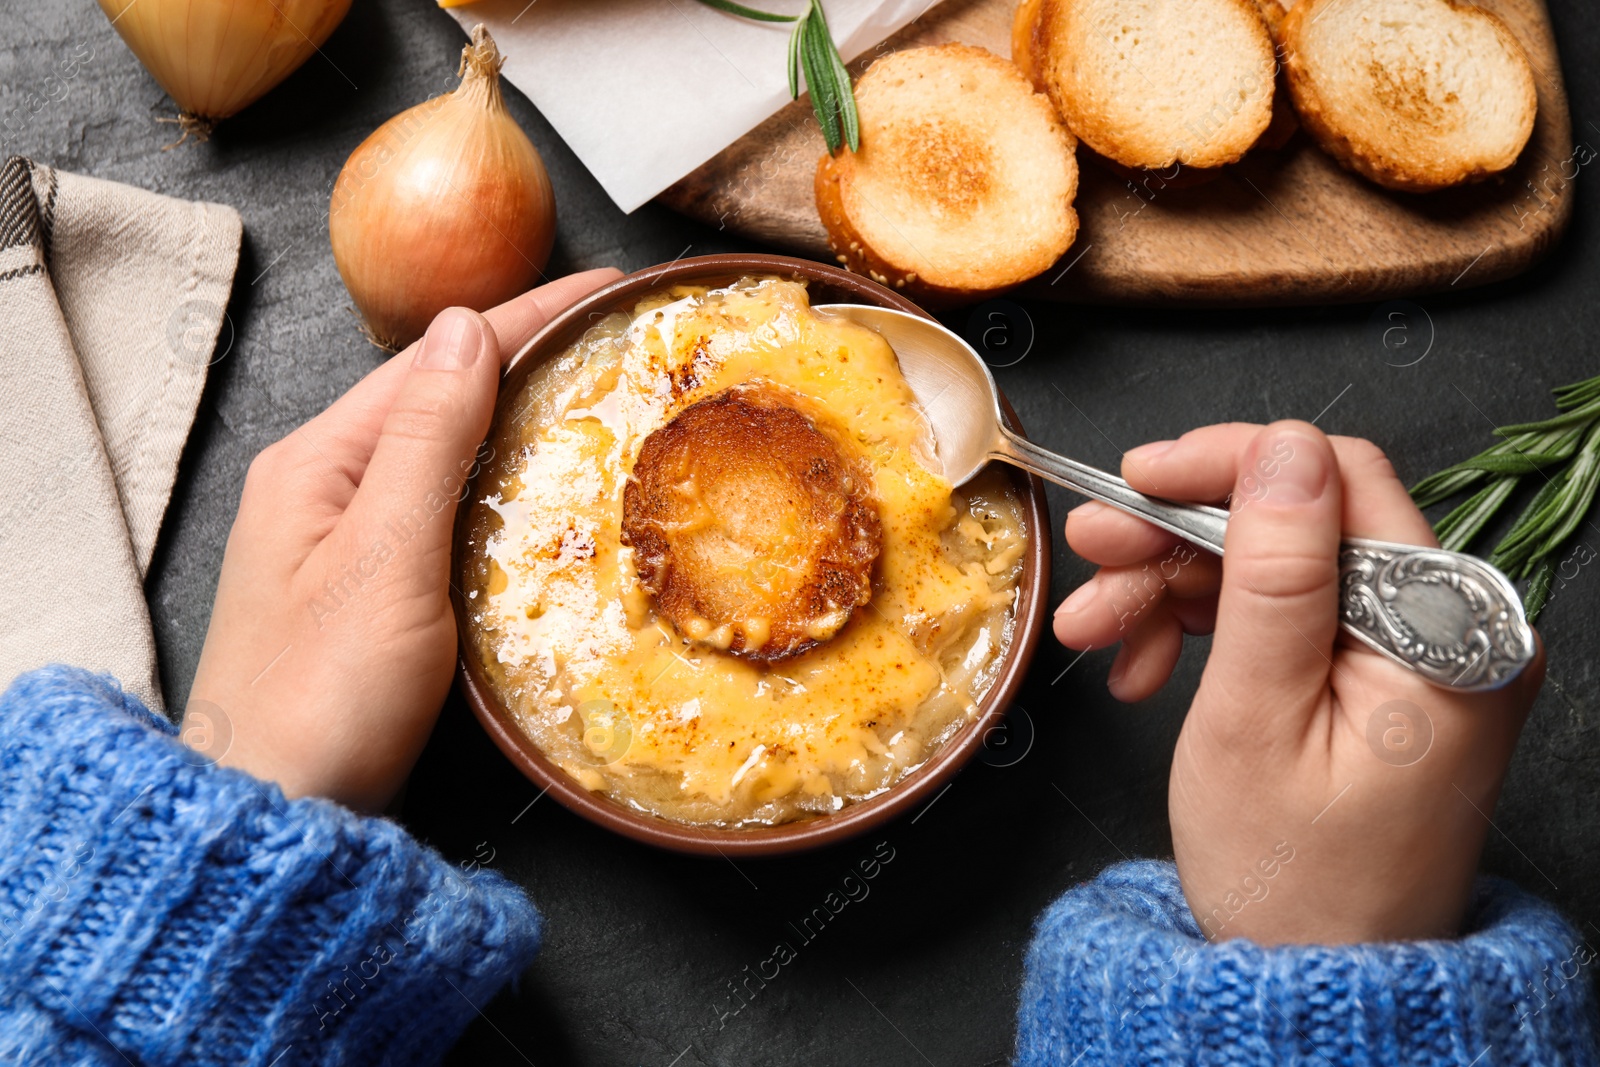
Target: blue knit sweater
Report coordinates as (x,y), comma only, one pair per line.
(1118,974)
(155,910)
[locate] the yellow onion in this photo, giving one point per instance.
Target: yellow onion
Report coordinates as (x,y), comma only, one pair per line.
(446,204)
(215,57)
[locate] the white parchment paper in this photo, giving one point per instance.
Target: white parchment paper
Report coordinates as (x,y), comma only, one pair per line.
(644,91)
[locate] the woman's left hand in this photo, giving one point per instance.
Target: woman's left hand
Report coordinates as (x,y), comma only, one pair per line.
(332,640)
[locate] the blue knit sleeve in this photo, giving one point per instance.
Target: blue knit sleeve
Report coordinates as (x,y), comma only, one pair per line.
(155,911)
(1118,974)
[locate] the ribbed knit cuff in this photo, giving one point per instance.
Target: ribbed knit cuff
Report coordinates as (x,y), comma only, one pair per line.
(191,914)
(1118,974)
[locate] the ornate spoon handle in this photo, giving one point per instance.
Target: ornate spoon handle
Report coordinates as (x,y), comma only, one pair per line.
(1450,617)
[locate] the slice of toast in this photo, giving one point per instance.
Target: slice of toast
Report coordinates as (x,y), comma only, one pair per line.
(771,549)
(1273,12)
(1414,94)
(964,183)
(1284,121)
(1022,23)
(1151,83)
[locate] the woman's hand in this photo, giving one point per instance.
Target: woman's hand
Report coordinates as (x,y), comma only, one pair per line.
(1319,792)
(332,640)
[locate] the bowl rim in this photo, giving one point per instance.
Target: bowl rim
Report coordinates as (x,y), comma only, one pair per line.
(924,784)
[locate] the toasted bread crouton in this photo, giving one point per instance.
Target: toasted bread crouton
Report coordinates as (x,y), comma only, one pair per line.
(771,547)
(1284,121)
(1150,83)
(964,183)
(1022,24)
(1273,12)
(1415,94)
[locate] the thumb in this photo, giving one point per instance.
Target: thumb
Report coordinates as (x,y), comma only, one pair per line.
(1277,614)
(426,451)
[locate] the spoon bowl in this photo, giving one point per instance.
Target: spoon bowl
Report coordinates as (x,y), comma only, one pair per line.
(1450,617)
(952,383)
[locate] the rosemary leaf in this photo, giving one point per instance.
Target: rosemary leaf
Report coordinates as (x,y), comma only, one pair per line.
(1539,590)
(1570,396)
(1574,417)
(1443,485)
(819,80)
(794,57)
(1457,529)
(1536,450)
(1582,483)
(1512,463)
(749,12)
(1515,549)
(1452,480)
(848,118)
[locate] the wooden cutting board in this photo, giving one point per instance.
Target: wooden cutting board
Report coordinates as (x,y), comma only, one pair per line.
(1282,227)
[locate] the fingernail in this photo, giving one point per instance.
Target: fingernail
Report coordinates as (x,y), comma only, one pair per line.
(1292,469)
(453,341)
(1153,450)
(1081,598)
(1086,511)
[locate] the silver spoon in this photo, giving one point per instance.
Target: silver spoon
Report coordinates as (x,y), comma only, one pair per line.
(1448,616)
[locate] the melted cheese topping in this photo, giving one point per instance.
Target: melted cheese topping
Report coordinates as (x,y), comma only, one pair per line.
(608,690)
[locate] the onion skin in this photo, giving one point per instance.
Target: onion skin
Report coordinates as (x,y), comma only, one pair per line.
(445,205)
(216,58)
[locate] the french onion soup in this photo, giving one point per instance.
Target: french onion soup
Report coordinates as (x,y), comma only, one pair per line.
(712,570)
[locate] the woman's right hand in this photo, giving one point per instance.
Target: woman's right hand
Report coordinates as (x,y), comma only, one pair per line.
(1319,792)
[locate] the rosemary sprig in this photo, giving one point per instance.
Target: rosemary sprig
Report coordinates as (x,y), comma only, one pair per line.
(812,52)
(1561,455)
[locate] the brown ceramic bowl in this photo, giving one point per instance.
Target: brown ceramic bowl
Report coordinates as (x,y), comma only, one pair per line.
(827,285)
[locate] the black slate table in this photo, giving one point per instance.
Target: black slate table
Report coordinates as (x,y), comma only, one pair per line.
(644,949)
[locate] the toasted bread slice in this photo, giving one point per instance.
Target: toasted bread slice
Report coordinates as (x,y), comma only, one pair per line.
(1273,12)
(964,183)
(1284,121)
(755,529)
(1415,94)
(1022,23)
(1150,83)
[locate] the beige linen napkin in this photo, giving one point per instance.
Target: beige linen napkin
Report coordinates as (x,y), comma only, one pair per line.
(111,303)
